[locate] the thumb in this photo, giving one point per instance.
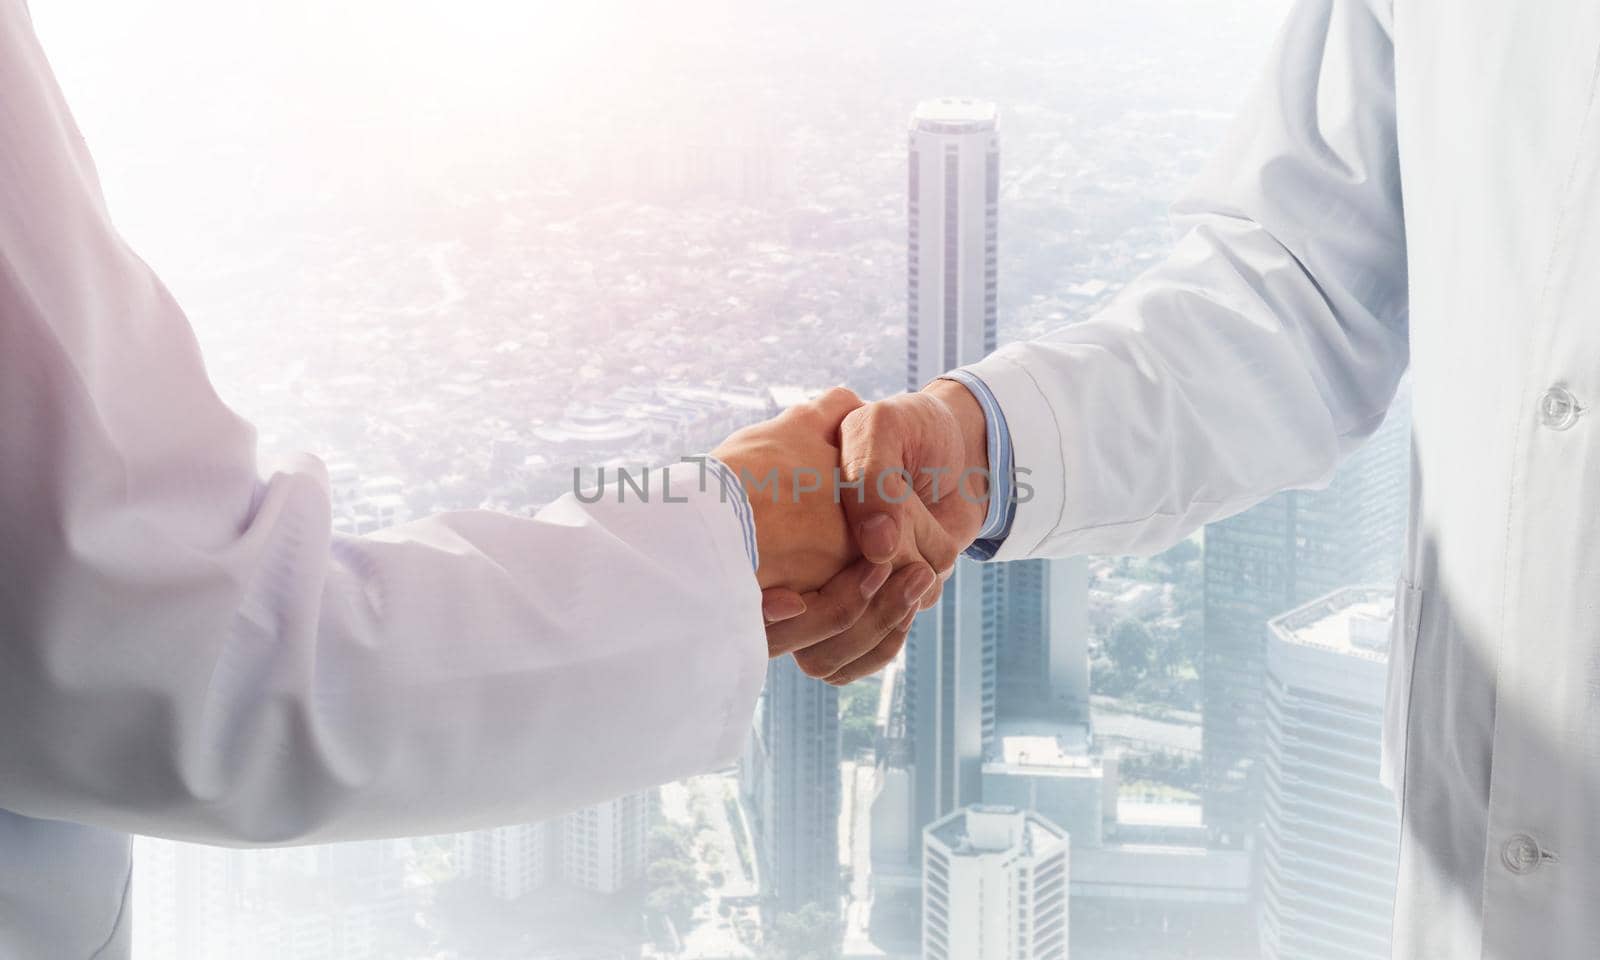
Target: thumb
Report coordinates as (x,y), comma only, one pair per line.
(878,536)
(779,604)
(876,487)
(929,540)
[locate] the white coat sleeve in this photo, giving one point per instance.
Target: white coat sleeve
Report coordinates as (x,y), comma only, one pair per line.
(1264,349)
(185,648)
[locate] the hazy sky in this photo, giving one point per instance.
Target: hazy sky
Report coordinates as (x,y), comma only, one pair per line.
(176,96)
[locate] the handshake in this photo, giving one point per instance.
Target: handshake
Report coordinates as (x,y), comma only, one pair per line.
(861,510)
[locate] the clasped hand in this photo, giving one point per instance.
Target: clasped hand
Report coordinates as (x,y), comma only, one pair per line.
(860,512)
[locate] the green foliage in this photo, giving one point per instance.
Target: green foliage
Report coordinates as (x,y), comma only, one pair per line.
(1156,657)
(1131,648)
(858,716)
(434,857)
(1181,772)
(673,879)
(671,841)
(810,933)
(741,837)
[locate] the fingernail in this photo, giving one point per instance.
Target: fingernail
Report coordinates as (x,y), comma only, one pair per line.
(780,608)
(876,536)
(906,623)
(876,579)
(918,585)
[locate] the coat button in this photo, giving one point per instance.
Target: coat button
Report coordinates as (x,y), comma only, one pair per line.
(1522,854)
(1558,408)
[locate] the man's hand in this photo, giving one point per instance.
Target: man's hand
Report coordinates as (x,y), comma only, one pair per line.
(815,586)
(925,450)
(930,449)
(786,466)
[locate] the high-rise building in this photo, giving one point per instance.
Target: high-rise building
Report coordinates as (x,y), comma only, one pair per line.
(1055,774)
(1331,842)
(994,886)
(1270,559)
(186,897)
(1004,641)
(329,900)
(605,847)
(952,236)
(792,781)
(508,862)
(953,219)
(1042,636)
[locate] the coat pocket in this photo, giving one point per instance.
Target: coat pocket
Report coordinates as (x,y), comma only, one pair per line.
(1403,633)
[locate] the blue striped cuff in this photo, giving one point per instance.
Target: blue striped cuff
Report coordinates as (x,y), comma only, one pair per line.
(1002,471)
(733,492)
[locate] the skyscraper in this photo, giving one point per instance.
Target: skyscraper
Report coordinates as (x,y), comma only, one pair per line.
(1003,639)
(952,222)
(1331,842)
(510,862)
(796,789)
(1042,636)
(187,897)
(952,236)
(994,886)
(604,848)
(343,900)
(1270,559)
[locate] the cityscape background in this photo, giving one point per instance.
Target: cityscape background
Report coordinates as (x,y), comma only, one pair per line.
(456,250)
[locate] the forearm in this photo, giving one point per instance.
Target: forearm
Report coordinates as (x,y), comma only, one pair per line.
(187,650)
(468,669)
(1262,351)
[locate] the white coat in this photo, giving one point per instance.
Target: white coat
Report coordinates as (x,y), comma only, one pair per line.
(187,651)
(1415,178)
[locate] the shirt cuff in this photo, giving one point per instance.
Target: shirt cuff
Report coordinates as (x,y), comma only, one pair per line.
(733,492)
(1002,472)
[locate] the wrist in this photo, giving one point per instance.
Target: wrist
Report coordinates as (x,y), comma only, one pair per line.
(797,523)
(967,416)
(970,442)
(742,464)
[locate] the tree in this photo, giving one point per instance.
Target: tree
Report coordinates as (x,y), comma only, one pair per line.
(811,933)
(671,841)
(1131,649)
(673,878)
(858,717)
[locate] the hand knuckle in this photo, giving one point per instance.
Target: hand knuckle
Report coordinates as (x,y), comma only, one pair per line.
(886,619)
(842,616)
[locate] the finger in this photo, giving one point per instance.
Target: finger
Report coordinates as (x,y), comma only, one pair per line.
(931,544)
(779,604)
(877,658)
(894,602)
(831,610)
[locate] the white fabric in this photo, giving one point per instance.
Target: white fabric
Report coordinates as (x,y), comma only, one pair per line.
(187,651)
(1270,344)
